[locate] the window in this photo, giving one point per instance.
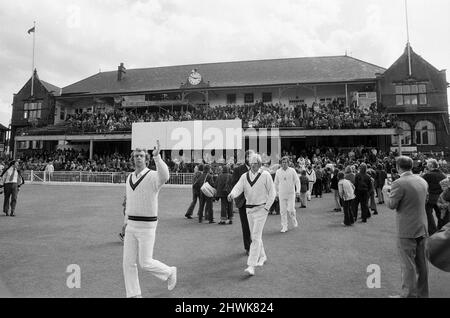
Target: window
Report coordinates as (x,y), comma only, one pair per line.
(23,144)
(231,98)
(405,137)
(415,94)
(62,113)
(267,97)
(425,133)
(248,98)
(32,111)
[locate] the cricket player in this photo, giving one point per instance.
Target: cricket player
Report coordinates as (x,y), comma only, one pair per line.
(142,190)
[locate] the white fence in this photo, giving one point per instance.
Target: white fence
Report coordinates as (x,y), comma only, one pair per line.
(94,177)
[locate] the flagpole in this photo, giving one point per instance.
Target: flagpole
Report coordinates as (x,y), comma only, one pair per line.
(32,67)
(407,37)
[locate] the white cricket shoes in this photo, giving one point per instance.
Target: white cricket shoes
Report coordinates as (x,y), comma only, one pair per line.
(172,280)
(250,270)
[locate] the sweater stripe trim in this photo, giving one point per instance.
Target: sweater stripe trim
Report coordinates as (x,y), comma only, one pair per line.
(134,185)
(254,181)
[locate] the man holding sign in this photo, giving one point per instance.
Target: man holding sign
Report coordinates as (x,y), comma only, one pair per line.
(141,216)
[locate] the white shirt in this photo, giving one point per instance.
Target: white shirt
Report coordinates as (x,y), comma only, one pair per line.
(311,175)
(262,191)
(286,182)
(346,189)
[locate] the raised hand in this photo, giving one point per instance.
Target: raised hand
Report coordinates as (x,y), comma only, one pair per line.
(156,149)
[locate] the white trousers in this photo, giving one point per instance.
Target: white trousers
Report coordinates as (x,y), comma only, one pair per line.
(308,193)
(139,241)
(287,207)
(256,220)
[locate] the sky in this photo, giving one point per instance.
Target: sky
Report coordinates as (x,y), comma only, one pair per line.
(78,38)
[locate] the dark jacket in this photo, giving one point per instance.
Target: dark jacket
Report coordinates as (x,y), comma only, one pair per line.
(194,180)
(201,179)
(381,178)
(237,173)
(334,182)
(362,183)
(434,189)
(223,183)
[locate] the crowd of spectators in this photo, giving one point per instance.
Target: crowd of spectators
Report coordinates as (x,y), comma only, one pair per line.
(334,115)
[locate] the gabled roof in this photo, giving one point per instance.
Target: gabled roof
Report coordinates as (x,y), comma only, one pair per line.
(231,74)
(52,89)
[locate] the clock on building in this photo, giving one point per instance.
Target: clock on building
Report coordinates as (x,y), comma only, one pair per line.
(195,78)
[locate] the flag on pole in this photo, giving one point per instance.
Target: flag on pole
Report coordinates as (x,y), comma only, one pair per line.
(31,30)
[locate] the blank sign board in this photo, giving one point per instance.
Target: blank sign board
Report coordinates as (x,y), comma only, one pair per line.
(188,135)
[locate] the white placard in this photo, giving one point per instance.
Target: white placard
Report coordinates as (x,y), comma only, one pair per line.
(188,135)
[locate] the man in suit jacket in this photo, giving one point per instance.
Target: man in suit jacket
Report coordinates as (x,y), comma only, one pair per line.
(408,196)
(240,201)
(195,191)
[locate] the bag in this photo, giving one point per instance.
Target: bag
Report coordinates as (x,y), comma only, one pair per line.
(207,189)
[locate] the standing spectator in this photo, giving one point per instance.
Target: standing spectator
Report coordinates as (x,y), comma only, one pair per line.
(347,193)
(205,202)
(335,188)
(198,171)
(49,169)
(407,195)
(311,174)
(304,184)
(259,192)
(444,200)
(381,177)
(326,179)
(287,185)
(372,205)
(240,201)
(362,188)
(317,189)
(433,177)
(12,180)
(223,187)
(394,174)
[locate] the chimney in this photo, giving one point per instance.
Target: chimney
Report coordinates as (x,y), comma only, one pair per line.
(120,70)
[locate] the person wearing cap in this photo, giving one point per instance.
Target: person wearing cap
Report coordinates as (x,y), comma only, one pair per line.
(287,185)
(259,191)
(141,213)
(433,177)
(12,180)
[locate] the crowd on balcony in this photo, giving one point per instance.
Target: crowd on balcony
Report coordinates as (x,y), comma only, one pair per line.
(334,115)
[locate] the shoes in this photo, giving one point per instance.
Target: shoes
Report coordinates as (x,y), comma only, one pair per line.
(230,222)
(12,214)
(303,206)
(200,220)
(375,213)
(363,221)
(188,217)
(250,270)
(261,261)
(222,223)
(121,236)
(6,213)
(137,296)
(295,223)
(284,230)
(210,222)
(172,280)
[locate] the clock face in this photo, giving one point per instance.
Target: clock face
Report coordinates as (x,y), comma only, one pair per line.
(195,78)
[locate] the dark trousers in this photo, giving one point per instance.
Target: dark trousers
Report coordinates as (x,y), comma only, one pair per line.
(362,197)
(348,212)
(191,208)
(207,205)
(11,191)
(226,209)
(317,188)
(275,207)
(429,207)
(245,228)
(414,267)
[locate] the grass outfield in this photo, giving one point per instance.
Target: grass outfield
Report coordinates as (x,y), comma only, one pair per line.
(61,225)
